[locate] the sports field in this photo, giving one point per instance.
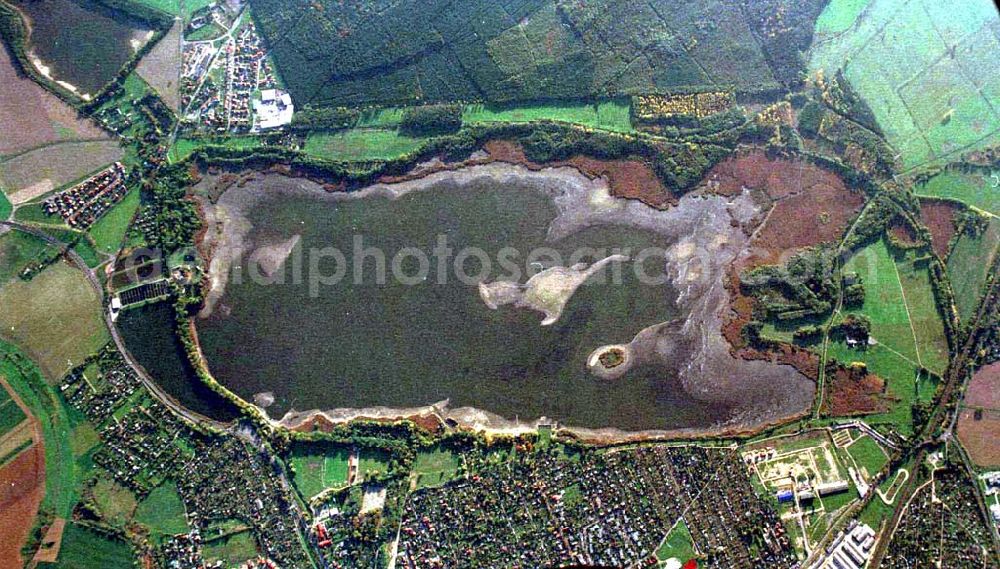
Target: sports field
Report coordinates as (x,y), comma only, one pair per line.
(56,317)
(927,69)
(316,471)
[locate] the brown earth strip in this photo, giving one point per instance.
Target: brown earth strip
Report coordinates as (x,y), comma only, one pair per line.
(22,486)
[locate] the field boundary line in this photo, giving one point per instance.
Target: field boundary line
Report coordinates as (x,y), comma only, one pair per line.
(906,307)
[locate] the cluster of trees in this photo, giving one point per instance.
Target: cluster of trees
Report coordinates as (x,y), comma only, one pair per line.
(431,120)
(803,288)
(175,217)
(518,50)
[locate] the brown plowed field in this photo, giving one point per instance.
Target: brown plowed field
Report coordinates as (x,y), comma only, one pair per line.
(939,217)
(982,399)
(980,437)
(31,116)
(22,486)
(984,389)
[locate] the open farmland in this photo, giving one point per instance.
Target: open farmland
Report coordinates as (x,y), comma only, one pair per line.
(969,264)
(55,317)
(900,304)
(80,45)
(83,548)
(979,189)
(402,51)
(928,71)
(906,328)
(33,174)
(161,68)
(17,250)
(39,117)
(979,420)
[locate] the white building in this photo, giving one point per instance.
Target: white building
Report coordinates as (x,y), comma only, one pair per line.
(850,550)
(274,109)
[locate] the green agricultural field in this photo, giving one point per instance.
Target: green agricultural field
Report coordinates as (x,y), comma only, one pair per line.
(361,145)
(980,190)
(56,317)
(372,461)
(83,548)
(899,301)
(928,70)
(317,471)
(109,231)
(609,115)
(232,549)
(17,250)
(163,511)
(381,118)
(435,467)
(968,266)
(678,544)
(867,454)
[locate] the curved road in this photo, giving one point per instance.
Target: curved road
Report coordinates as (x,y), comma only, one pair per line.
(95,282)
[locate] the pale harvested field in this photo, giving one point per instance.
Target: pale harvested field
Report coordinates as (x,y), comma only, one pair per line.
(161,67)
(31,174)
(31,116)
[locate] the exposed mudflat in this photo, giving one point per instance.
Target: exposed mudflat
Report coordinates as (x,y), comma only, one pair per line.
(708,389)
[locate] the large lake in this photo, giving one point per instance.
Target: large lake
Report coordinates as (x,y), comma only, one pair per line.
(405,345)
(80,41)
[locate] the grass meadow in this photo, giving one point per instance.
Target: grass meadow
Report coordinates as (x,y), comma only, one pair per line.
(361,144)
(109,231)
(968,266)
(86,549)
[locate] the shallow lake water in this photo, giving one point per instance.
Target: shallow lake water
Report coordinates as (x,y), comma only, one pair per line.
(404,345)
